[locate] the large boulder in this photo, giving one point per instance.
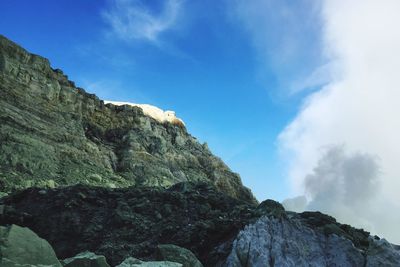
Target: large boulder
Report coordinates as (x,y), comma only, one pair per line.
(20,246)
(132,262)
(86,259)
(169,252)
(273,241)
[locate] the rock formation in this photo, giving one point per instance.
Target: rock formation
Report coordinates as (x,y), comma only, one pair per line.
(84,259)
(128,183)
(54,133)
(292,242)
(132,262)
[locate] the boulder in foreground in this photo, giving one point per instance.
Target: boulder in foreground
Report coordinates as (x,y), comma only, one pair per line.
(19,246)
(175,253)
(86,259)
(132,262)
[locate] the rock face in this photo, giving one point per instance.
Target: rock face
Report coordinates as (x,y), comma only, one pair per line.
(123,222)
(136,222)
(20,246)
(293,242)
(54,133)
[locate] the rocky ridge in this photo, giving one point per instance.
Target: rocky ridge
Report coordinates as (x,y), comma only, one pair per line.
(54,133)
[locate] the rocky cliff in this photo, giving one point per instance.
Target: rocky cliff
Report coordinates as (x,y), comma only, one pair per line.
(110,185)
(309,239)
(54,133)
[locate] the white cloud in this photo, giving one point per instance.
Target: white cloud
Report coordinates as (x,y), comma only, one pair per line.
(358,108)
(319,77)
(132,20)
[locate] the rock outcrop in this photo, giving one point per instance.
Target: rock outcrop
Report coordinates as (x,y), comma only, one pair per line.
(170,252)
(294,242)
(86,259)
(132,262)
(54,133)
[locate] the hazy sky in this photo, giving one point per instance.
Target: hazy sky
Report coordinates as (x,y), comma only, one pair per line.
(298,97)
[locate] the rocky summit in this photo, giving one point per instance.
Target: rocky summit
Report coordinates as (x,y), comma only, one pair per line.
(54,133)
(84,183)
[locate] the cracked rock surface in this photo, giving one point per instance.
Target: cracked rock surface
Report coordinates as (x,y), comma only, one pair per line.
(53,133)
(290,242)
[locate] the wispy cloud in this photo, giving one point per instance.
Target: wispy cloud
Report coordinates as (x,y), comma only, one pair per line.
(286,38)
(132,20)
(358,108)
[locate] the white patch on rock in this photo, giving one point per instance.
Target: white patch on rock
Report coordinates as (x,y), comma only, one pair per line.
(152,111)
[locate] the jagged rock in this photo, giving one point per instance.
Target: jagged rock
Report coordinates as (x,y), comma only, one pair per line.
(55,134)
(86,259)
(271,207)
(282,242)
(170,252)
(123,222)
(382,253)
(19,246)
(132,262)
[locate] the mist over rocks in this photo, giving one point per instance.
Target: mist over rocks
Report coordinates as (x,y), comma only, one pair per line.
(348,186)
(357,106)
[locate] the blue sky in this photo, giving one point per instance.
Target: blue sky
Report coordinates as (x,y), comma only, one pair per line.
(229,69)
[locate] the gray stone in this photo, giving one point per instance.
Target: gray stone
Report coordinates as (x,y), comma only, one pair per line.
(86,259)
(20,246)
(169,252)
(382,253)
(282,242)
(132,262)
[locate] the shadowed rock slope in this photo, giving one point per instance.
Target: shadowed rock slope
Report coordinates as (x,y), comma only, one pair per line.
(54,133)
(132,222)
(124,222)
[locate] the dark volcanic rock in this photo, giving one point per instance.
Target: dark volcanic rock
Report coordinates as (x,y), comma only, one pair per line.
(126,222)
(132,222)
(54,133)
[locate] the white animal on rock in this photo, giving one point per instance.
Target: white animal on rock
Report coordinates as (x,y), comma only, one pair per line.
(153,111)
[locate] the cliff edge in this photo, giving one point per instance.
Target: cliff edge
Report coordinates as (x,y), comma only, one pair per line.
(54,134)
